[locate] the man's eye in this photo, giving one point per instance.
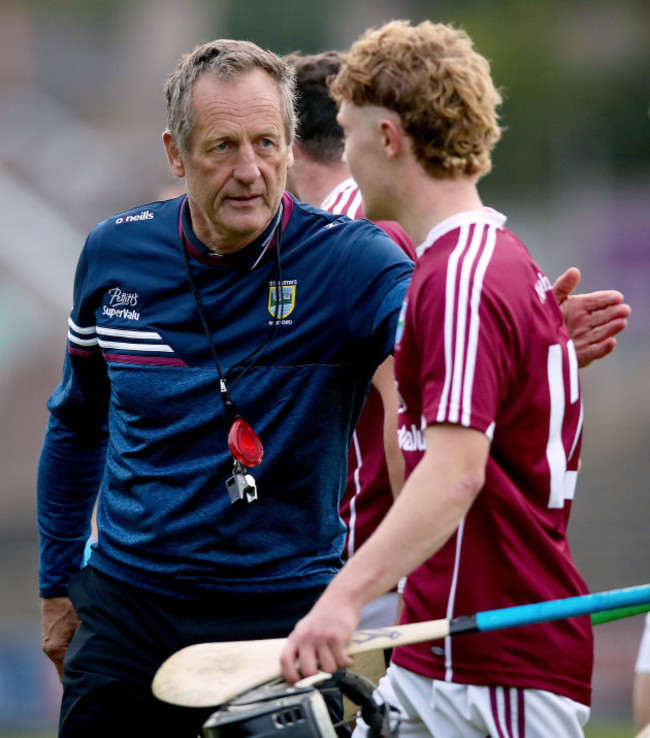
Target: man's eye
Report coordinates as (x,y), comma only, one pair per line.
(223,146)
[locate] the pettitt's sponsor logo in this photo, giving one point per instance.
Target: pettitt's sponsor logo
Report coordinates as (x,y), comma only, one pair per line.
(143,215)
(110,312)
(121,304)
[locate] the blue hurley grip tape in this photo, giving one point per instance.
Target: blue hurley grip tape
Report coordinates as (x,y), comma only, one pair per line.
(539,612)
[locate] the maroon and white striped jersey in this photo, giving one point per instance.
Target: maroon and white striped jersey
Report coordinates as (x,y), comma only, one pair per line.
(482,343)
(345,199)
(368,494)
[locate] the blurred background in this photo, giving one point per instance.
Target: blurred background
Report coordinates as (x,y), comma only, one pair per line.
(81,117)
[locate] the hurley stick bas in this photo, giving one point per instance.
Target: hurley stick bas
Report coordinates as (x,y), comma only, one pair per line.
(209,674)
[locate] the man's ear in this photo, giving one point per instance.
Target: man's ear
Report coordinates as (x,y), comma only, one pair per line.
(392,137)
(174,156)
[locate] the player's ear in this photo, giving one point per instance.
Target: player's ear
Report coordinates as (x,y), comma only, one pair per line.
(392,136)
(174,156)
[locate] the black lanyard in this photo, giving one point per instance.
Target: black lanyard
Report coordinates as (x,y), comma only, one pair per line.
(244,443)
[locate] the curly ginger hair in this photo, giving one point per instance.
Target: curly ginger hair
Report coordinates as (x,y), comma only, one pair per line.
(440,87)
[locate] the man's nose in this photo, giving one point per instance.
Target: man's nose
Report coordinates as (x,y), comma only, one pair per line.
(246,168)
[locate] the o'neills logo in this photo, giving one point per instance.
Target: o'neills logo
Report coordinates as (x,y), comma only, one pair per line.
(144,215)
(121,304)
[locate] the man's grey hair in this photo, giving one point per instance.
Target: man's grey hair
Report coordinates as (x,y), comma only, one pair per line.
(226,59)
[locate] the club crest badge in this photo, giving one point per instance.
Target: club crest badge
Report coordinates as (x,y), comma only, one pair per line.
(282,300)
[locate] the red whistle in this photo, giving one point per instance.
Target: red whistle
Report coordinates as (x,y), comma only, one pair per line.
(245,444)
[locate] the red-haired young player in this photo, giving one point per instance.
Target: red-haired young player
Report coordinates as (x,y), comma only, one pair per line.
(492,414)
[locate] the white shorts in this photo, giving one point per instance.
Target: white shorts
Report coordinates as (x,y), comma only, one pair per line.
(380,612)
(437,709)
(642,665)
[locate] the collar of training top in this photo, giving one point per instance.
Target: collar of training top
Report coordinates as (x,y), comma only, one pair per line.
(258,251)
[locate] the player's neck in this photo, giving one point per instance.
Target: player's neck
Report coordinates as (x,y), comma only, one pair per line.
(435,201)
(316,181)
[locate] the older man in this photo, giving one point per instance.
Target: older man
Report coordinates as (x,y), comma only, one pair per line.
(220,348)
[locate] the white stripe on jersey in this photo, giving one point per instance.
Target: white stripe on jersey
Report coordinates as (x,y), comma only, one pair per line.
(451,602)
(452,266)
(460,363)
(123,345)
(91,334)
(352,524)
(155,338)
(475,299)
(82,341)
(573,371)
(78,329)
(344,199)
(117,332)
(460,315)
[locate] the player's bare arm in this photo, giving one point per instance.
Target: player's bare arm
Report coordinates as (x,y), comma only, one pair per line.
(60,622)
(593,318)
(430,507)
(384,382)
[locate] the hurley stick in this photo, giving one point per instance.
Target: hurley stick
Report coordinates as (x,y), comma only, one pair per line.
(209,674)
(606,616)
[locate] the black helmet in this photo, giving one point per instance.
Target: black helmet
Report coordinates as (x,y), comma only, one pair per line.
(282,711)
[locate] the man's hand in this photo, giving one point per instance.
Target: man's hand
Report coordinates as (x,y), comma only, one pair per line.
(60,622)
(320,639)
(593,319)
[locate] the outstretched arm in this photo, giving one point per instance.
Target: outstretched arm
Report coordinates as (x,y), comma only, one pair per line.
(593,318)
(433,501)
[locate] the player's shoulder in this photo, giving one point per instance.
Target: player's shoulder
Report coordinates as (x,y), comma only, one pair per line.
(308,219)
(353,246)
(345,198)
(148,216)
(477,242)
(306,212)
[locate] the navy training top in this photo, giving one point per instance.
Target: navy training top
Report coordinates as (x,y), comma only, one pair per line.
(138,412)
